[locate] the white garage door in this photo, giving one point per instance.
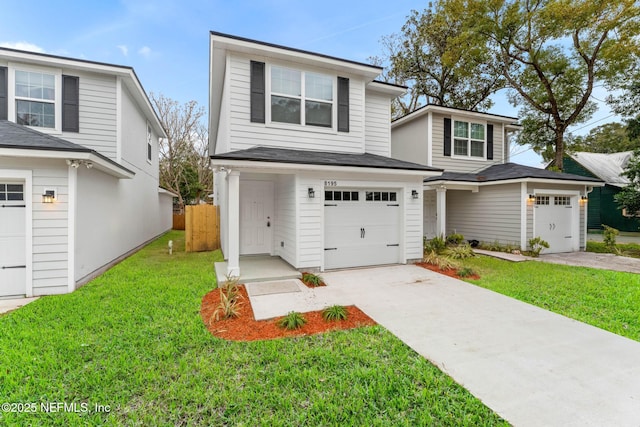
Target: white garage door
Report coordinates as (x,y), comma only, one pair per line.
(12,239)
(555,218)
(362,227)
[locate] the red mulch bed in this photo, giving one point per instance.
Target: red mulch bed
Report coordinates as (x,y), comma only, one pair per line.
(451,272)
(310,285)
(246,328)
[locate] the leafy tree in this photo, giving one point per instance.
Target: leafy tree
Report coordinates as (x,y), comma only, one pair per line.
(183,154)
(629,197)
(552,53)
(607,138)
(431,58)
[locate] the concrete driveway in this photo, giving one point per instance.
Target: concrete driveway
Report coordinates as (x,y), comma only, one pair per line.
(531,366)
(594,260)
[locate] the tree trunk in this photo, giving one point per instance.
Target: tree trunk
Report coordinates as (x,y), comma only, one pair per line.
(559,149)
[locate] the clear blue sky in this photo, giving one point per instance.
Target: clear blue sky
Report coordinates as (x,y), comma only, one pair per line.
(166,41)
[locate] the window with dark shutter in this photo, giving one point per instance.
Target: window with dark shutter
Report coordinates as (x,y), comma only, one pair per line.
(257,92)
(70,103)
(343,104)
(447,137)
(489,142)
(4,99)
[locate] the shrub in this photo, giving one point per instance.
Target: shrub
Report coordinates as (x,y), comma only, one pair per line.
(440,261)
(312,279)
(436,244)
(293,320)
(335,312)
(230,297)
(609,238)
(536,245)
(466,272)
(455,239)
(461,252)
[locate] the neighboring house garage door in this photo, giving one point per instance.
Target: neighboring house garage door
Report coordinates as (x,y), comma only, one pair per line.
(362,227)
(12,239)
(556,222)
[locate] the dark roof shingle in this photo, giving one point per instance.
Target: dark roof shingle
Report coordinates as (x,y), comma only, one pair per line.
(507,171)
(305,157)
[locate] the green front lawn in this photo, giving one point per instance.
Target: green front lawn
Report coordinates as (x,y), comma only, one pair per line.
(625,249)
(607,299)
(133,340)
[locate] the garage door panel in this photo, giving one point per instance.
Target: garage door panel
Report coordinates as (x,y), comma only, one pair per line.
(554,216)
(362,232)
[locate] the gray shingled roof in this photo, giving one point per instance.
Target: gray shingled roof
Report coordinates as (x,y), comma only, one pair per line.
(13,135)
(304,157)
(507,171)
(607,167)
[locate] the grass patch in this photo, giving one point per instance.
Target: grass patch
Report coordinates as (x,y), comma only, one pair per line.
(133,339)
(602,298)
(624,249)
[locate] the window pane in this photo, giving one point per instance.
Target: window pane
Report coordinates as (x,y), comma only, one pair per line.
(477,131)
(460,129)
(40,114)
(385,196)
(354,195)
(14,188)
(14,196)
(369,196)
(285,81)
(3,187)
(477,149)
(3,196)
(376,196)
(318,86)
(346,195)
(337,195)
(285,110)
(460,147)
(328,195)
(392,196)
(22,77)
(317,113)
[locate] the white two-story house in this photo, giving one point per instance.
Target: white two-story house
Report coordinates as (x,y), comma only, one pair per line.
(300,146)
(483,196)
(78,171)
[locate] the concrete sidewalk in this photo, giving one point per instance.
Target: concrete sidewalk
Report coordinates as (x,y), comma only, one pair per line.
(7,305)
(531,366)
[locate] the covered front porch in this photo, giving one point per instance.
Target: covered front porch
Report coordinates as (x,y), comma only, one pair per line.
(259,268)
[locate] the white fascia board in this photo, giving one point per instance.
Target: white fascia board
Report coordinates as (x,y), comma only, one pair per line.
(448,184)
(98,162)
(256,48)
(246,165)
(165,191)
(386,89)
(459,113)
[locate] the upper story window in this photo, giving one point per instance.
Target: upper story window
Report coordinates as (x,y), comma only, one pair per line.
(300,97)
(35,95)
(468,139)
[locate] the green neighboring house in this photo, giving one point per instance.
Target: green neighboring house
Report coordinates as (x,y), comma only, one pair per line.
(602,208)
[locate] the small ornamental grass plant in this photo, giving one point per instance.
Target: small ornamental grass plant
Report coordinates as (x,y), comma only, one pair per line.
(334,313)
(293,320)
(462,251)
(230,300)
(312,279)
(441,261)
(536,245)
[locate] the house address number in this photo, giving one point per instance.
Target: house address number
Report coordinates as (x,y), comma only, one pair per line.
(331,183)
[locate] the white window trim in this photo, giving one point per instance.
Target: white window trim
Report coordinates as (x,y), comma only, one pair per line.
(302,126)
(453,139)
(11,92)
(149,143)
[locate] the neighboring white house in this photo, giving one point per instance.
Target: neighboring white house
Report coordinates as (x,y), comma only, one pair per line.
(78,171)
(481,194)
(300,145)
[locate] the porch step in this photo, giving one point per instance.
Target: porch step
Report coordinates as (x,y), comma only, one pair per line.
(259,269)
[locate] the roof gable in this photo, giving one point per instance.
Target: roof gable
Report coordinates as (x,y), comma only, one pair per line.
(606,166)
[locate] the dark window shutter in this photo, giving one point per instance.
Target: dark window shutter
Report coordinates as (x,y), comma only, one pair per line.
(4,100)
(343,104)
(489,142)
(447,137)
(257,92)
(70,102)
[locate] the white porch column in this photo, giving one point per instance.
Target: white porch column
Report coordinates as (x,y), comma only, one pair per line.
(441,211)
(233,196)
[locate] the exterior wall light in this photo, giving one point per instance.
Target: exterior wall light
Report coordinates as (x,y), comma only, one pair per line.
(312,193)
(532,197)
(48,196)
(414,194)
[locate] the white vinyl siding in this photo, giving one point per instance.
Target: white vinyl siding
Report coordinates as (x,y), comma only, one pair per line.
(243,134)
(409,142)
(491,214)
(97,113)
(310,220)
(413,220)
(377,124)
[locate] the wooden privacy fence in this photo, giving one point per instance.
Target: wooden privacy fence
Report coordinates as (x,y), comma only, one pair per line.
(178,221)
(202,228)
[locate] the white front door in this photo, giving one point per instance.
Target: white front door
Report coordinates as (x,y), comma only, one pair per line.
(256,217)
(362,227)
(430,214)
(554,222)
(12,239)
